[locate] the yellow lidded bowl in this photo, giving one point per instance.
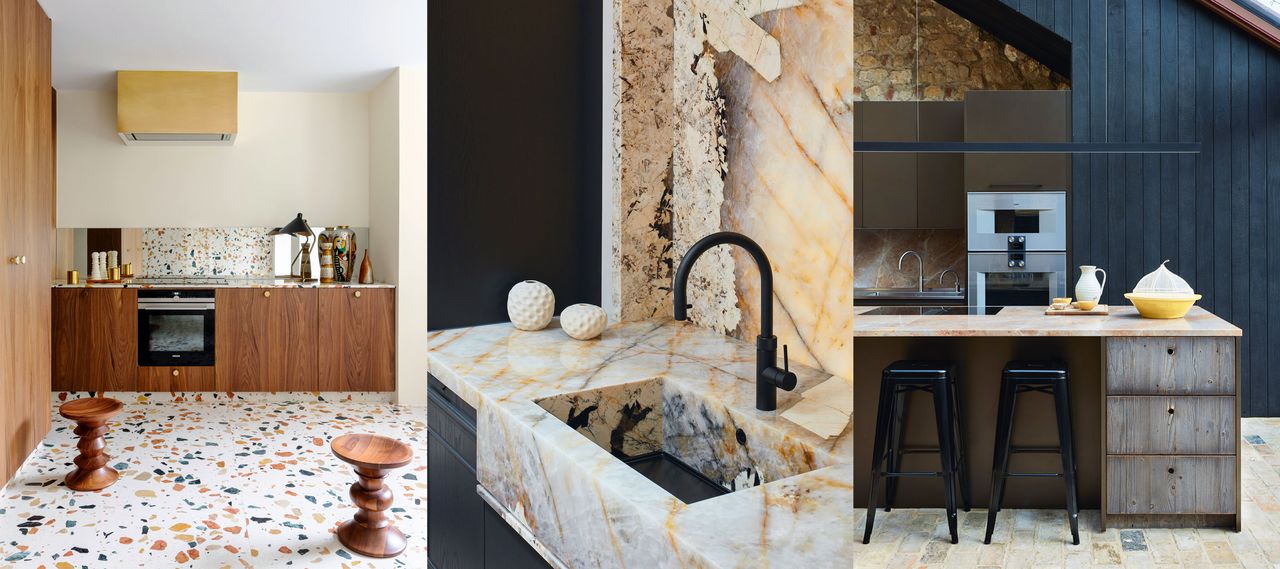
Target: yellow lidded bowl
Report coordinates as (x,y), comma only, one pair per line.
(1162,305)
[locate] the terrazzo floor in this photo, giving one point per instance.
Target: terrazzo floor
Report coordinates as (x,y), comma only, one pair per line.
(213,480)
(913,538)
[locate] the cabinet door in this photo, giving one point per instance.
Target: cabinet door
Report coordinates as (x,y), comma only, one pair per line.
(26,229)
(95,339)
(266,339)
(455,513)
(357,339)
(504,548)
(176,378)
(889,180)
(1017,116)
(940,202)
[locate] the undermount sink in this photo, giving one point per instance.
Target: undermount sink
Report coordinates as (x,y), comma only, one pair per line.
(947,293)
(693,447)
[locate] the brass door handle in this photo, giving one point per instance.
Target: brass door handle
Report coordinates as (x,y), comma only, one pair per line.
(357,294)
(266,293)
(175,373)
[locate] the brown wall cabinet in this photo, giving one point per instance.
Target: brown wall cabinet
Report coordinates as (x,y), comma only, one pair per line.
(26,229)
(357,347)
(266,339)
(95,339)
(908,190)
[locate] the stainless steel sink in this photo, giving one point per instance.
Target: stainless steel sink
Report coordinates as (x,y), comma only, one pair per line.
(946,293)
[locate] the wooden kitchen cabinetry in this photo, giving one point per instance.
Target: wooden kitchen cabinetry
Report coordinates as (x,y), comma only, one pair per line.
(95,339)
(176,378)
(265,339)
(26,229)
(1172,432)
(908,190)
(357,344)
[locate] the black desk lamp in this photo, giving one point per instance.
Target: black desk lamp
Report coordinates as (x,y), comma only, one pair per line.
(306,238)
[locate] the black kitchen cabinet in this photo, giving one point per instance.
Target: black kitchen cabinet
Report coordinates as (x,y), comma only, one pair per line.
(463,532)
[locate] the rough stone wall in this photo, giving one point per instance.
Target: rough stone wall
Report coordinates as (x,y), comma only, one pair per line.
(954,55)
(699,167)
(643,113)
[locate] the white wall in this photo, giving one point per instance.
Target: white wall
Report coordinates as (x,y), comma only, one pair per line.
(295,152)
(398,217)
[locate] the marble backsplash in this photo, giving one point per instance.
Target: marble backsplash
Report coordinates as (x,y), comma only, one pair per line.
(209,251)
(875,262)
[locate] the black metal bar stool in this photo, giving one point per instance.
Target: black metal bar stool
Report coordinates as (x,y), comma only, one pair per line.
(900,379)
(1048,377)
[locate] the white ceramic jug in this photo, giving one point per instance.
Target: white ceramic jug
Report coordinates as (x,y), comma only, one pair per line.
(1088,289)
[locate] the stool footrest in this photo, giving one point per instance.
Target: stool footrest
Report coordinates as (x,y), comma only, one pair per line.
(922,474)
(1041,450)
(1033,475)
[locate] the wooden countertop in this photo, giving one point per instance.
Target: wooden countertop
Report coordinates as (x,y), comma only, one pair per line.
(1030,321)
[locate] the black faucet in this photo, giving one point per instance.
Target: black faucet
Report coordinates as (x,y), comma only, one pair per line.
(768,375)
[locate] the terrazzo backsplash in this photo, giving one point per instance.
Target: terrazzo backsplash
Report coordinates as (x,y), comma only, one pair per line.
(875,261)
(207,251)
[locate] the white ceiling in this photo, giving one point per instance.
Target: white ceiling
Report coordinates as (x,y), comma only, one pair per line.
(276,45)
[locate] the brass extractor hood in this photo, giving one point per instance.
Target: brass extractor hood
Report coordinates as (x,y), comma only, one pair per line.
(176,107)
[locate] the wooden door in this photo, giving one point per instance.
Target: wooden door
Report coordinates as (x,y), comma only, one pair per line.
(95,339)
(26,228)
(357,339)
(265,340)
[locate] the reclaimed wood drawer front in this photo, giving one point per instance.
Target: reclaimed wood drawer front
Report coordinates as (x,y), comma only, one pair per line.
(1171,425)
(1171,485)
(1171,366)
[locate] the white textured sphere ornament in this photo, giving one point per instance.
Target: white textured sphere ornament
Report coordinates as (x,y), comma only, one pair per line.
(530,305)
(583,321)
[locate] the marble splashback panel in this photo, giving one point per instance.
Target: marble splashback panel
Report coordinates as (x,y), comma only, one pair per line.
(876,261)
(207,251)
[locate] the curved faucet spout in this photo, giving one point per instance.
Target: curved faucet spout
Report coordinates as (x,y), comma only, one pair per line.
(769,377)
(727,238)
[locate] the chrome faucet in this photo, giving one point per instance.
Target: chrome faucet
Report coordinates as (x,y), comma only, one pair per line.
(919,265)
(768,376)
(942,278)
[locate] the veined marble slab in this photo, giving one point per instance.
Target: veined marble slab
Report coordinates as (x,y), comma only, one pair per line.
(794,508)
(1031,321)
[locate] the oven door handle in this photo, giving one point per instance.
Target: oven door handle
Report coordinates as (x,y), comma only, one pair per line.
(171,307)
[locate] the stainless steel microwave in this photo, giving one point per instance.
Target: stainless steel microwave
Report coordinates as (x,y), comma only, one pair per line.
(1037,221)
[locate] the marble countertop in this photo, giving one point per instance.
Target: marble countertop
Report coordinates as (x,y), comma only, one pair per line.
(588,509)
(232,282)
(1031,321)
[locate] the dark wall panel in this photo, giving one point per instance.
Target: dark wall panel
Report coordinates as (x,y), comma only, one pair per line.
(514,154)
(1166,70)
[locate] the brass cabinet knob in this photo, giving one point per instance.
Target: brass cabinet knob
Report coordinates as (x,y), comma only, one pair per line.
(175,373)
(266,293)
(15,260)
(357,294)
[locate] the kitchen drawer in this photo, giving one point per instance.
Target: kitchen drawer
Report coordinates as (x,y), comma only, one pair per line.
(1171,485)
(1171,425)
(452,420)
(1171,366)
(176,378)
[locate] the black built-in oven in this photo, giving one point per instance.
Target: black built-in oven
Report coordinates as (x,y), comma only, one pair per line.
(175,327)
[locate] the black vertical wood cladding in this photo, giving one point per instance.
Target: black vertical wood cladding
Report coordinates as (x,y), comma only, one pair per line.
(514,154)
(1164,70)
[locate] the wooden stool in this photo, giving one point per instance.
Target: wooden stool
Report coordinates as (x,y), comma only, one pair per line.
(91,416)
(371,532)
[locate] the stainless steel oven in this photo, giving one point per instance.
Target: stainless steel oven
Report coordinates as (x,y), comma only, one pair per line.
(1039,279)
(1017,248)
(1038,218)
(175,327)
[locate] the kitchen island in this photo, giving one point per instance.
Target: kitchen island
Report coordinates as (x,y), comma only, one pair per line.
(555,424)
(1155,409)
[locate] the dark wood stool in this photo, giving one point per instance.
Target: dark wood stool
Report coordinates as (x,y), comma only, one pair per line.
(898,380)
(371,532)
(91,416)
(1046,377)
